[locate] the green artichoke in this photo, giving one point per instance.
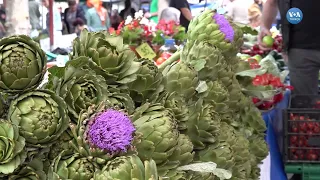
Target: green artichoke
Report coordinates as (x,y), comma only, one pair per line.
(217,95)
(178,105)
(221,151)
(184,151)
(23,64)
(41,116)
(180,79)
(72,168)
(103,132)
(148,85)
(205,58)
(203,125)
(258,147)
(217,30)
(34,170)
(62,144)
(78,86)
(112,59)
(128,168)
(11,147)
(159,134)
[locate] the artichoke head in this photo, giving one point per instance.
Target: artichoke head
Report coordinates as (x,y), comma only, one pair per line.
(41,116)
(205,59)
(34,170)
(180,79)
(148,85)
(203,125)
(62,144)
(12,148)
(71,167)
(112,59)
(179,108)
(217,95)
(78,86)
(214,28)
(258,147)
(102,132)
(159,133)
(128,168)
(23,64)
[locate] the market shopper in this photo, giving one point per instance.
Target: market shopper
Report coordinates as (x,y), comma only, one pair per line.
(184,7)
(153,14)
(301,41)
(254,13)
(71,14)
(97,17)
(34,14)
(237,10)
(57,22)
(127,11)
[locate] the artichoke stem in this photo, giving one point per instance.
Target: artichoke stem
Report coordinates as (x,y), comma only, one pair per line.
(170,60)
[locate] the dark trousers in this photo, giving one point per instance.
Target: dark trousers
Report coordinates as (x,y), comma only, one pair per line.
(304,66)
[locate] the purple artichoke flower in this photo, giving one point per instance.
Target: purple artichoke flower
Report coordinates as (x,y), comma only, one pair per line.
(224,26)
(111,131)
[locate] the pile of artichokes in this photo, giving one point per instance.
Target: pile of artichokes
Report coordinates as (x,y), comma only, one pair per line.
(107,115)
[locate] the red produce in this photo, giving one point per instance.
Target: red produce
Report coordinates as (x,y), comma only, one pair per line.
(312,156)
(293,140)
(294,129)
(303,127)
(255,47)
(316,129)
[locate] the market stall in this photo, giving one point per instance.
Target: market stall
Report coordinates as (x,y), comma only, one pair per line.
(115,111)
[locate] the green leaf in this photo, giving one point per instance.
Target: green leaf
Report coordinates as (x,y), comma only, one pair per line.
(247,29)
(252,72)
(261,92)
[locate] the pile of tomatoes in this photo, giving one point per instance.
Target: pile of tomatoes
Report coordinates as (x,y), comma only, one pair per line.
(301,129)
(269,80)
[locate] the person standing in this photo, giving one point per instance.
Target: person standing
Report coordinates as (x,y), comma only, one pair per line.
(255,13)
(97,17)
(184,7)
(57,22)
(300,38)
(71,14)
(34,15)
(153,14)
(237,10)
(127,11)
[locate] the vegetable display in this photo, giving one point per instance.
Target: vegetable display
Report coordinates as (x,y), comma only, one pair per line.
(109,115)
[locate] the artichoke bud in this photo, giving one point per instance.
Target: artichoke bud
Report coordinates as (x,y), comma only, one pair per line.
(180,79)
(109,132)
(203,124)
(112,58)
(23,64)
(41,115)
(12,148)
(72,167)
(128,168)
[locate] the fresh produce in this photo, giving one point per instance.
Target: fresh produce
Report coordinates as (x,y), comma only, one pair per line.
(303,131)
(268,41)
(22,64)
(110,115)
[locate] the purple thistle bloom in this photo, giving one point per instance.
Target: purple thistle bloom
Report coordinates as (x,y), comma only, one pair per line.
(224,26)
(111,131)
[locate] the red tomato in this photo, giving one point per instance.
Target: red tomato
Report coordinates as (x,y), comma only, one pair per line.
(160,60)
(166,55)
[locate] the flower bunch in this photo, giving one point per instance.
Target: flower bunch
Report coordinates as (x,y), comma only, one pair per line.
(170,29)
(134,30)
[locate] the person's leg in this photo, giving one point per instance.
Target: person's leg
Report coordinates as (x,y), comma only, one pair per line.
(304,68)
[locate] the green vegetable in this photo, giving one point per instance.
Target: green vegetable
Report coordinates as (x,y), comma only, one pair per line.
(12,149)
(22,64)
(41,116)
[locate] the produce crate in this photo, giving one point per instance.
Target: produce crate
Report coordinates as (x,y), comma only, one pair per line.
(302,130)
(308,171)
(304,102)
(302,136)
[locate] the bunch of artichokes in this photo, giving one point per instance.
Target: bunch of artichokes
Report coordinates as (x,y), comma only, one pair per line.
(109,115)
